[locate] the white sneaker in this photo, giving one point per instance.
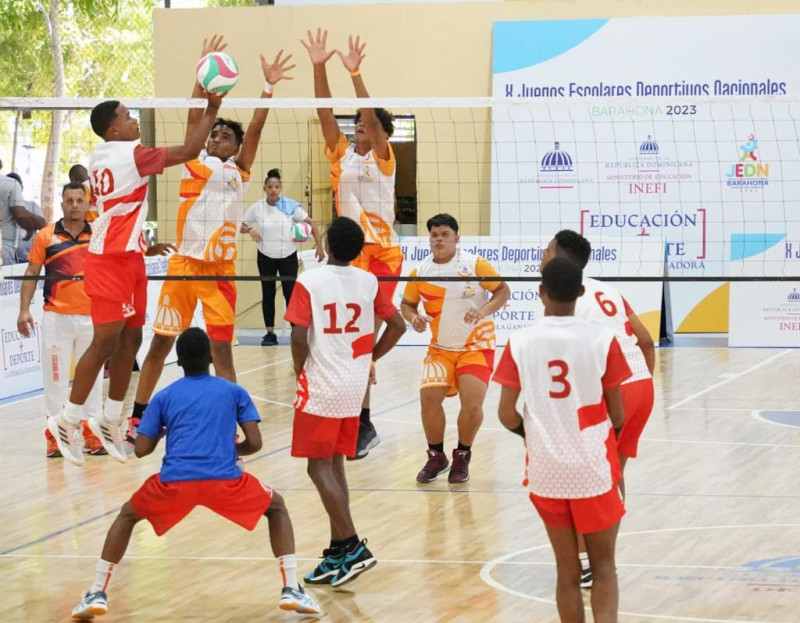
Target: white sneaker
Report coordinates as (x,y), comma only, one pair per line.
(111,435)
(68,437)
(297,600)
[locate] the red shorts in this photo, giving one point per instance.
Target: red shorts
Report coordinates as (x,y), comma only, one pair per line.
(637,397)
(317,437)
(243,500)
(381,262)
(117,286)
(584,514)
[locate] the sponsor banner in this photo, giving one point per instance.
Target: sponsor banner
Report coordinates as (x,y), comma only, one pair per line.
(22,357)
(522,258)
(649,146)
(764,314)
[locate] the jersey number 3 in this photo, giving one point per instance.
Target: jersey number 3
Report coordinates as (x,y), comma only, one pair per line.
(560,378)
(350,327)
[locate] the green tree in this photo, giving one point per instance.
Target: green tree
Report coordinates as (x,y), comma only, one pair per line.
(73,48)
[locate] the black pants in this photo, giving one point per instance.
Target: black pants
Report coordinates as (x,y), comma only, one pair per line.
(269,267)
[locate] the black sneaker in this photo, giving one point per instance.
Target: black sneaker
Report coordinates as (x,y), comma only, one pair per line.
(367,440)
(269,339)
(326,571)
(354,564)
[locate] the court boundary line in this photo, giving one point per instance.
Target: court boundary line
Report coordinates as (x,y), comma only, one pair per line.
(485,573)
(725,381)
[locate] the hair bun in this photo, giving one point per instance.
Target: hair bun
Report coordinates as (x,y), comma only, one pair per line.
(274,173)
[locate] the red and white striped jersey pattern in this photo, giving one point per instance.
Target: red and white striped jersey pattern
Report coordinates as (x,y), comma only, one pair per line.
(119,172)
(338,304)
(603,304)
(562,364)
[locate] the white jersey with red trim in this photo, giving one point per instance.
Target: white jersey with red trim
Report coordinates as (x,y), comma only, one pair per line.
(338,304)
(604,304)
(119,172)
(562,364)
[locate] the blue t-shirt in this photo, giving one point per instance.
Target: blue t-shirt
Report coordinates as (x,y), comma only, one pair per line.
(200,414)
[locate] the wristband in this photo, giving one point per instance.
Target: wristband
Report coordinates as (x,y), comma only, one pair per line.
(268,88)
(355,73)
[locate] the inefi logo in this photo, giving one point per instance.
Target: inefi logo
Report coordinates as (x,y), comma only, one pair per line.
(649,147)
(749,173)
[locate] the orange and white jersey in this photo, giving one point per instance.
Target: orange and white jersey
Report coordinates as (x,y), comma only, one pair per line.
(447,302)
(212,208)
(603,304)
(338,304)
(562,365)
(91,213)
(119,172)
(364,190)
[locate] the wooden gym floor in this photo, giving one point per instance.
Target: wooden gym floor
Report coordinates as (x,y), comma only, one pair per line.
(712,531)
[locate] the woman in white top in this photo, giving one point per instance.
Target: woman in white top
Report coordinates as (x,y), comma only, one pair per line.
(269,223)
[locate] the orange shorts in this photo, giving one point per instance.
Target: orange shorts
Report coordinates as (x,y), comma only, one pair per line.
(584,514)
(178,299)
(317,437)
(638,398)
(116,283)
(442,368)
(381,262)
(164,504)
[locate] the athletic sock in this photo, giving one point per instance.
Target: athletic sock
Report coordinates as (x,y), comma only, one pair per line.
(288,568)
(364,416)
(138,410)
(336,545)
(73,413)
(584,558)
(351,542)
(464,447)
(102,575)
(113,411)
(437,447)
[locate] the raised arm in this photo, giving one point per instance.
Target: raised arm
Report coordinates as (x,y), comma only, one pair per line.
(215,44)
(273,73)
(196,139)
(352,62)
(319,57)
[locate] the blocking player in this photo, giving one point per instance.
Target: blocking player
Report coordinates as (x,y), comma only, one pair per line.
(114,272)
(569,372)
(212,207)
(333,310)
(460,357)
(603,304)
(61,248)
(363,179)
(199,414)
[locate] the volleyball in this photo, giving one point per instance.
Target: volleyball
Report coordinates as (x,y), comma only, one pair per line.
(301,231)
(217,72)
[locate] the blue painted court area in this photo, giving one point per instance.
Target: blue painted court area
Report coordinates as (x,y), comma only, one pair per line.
(783,418)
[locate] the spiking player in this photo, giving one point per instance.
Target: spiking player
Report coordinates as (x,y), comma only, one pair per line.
(363,179)
(333,310)
(603,304)
(114,272)
(209,216)
(199,414)
(568,371)
(460,358)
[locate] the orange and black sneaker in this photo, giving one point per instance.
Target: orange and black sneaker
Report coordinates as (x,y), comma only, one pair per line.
(91,444)
(52,447)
